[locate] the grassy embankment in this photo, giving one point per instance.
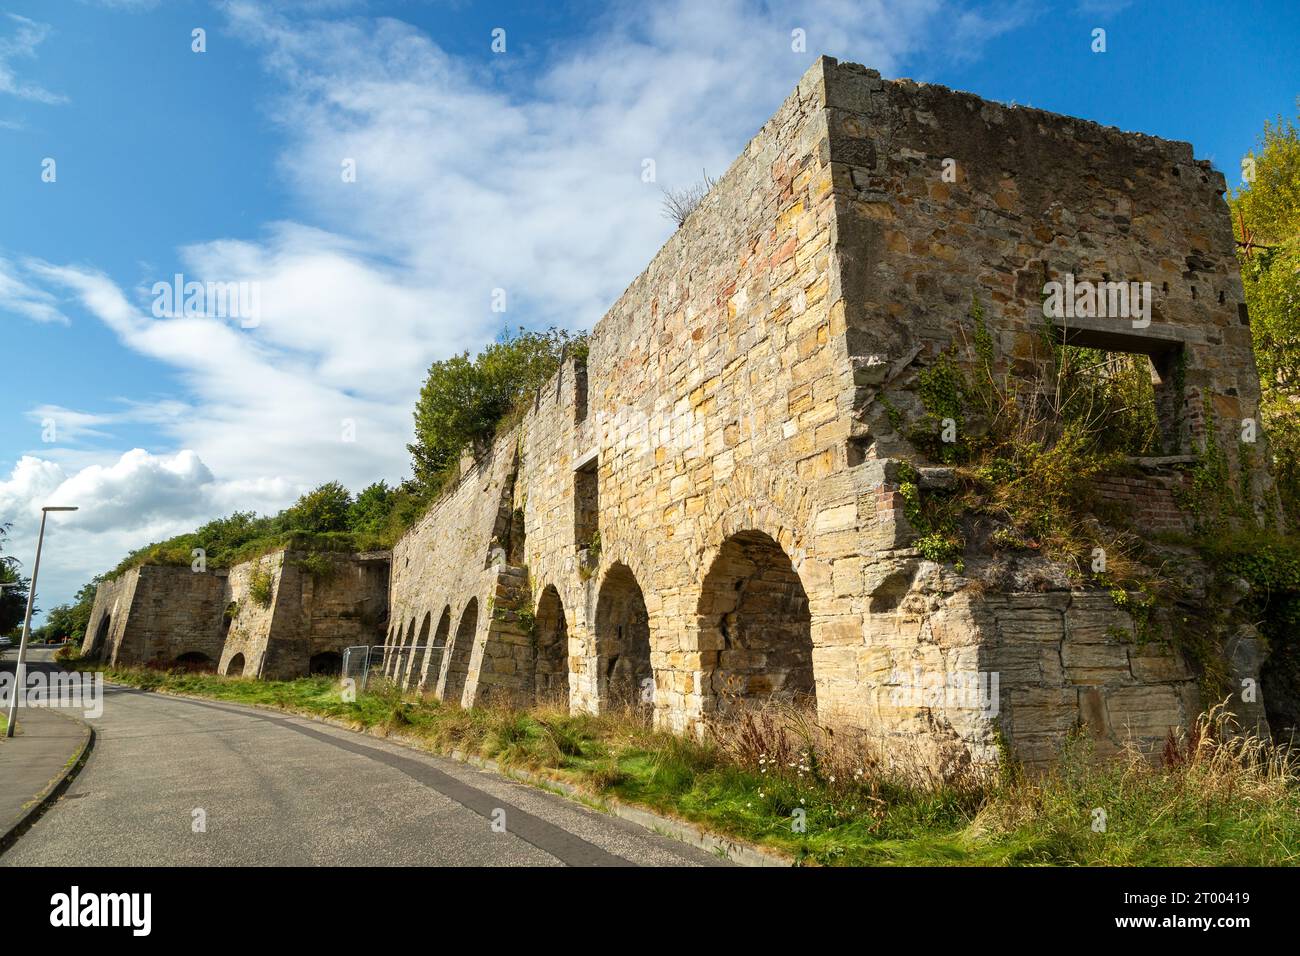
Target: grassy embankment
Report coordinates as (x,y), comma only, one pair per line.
(1207,803)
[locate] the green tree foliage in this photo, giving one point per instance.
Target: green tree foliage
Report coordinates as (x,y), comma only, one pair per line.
(13,601)
(319,511)
(1266,220)
(69,620)
(370,511)
(464,400)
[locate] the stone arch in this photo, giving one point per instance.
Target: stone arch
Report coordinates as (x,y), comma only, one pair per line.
(738,505)
(462,648)
(755,625)
(235,666)
(393,652)
(326,663)
(406,666)
(399,653)
(551,649)
(420,652)
(101,635)
(194,661)
(433,658)
(622,640)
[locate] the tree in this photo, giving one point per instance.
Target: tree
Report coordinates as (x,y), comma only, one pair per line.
(70,620)
(1266,220)
(320,510)
(463,400)
(13,601)
(371,509)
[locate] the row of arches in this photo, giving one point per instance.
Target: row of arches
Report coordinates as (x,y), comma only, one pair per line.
(753,627)
(416,661)
(324,664)
(753,630)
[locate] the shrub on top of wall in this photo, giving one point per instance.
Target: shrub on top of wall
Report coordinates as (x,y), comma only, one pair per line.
(261,585)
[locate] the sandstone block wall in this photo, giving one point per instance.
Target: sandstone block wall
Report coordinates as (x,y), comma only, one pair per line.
(308,617)
(166,615)
(156,614)
(702,509)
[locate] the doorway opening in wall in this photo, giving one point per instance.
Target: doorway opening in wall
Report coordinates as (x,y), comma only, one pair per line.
(235,666)
(586,508)
(1124,387)
(101,636)
(551,656)
(755,628)
(325,664)
(625,677)
(195,661)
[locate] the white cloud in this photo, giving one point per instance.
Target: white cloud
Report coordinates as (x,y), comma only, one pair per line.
(472,174)
(135,499)
(26,35)
(19,296)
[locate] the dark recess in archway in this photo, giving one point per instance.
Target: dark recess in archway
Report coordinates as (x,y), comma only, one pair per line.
(551,660)
(754,624)
(622,642)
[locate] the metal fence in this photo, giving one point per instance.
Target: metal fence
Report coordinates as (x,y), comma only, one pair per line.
(402,664)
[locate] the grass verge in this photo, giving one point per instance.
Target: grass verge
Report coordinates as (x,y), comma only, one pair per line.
(778,779)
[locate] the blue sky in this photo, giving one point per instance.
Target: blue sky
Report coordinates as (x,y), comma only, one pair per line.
(475,170)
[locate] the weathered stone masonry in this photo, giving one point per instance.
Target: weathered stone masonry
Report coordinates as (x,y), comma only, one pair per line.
(209,619)
(726,432)
(704,507)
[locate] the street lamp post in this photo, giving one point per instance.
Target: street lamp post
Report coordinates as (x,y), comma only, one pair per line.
(27,622)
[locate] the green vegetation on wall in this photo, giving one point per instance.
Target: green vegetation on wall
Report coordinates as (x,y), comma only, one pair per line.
(464,401)
(1266,221)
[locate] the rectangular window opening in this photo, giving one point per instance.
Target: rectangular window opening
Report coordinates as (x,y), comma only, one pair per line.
(1128,389)
(586,507)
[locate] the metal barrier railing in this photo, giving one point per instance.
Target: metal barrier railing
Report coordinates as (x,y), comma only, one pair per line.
(411,667)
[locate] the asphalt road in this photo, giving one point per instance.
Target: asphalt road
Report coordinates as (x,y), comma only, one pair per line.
(276,790)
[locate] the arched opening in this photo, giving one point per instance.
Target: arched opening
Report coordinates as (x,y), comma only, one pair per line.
(420,656)
(325,664)
(407,666)
(101,636)
(551,654)
(235,666)
(755,629)
(462,648)
(393,654)
(194,661)
(437,652)
(228,618)
(623,642)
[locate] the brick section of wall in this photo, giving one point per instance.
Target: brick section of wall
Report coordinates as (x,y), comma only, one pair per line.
(1149,500)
